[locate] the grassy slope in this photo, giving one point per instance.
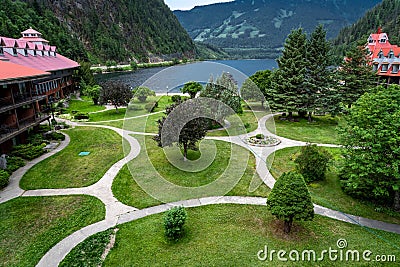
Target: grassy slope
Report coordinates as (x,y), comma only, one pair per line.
(229,235)
(31,226)
(68,169)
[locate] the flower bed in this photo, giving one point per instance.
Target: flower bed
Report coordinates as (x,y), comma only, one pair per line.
(261,140)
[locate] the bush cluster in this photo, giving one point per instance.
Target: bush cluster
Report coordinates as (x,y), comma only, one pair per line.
(28,151)
(81,116)
(14,163)
(174,220)
(4,178)
(313,162)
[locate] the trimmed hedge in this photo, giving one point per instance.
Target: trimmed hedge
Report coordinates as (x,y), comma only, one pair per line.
(4,178)
(28,151)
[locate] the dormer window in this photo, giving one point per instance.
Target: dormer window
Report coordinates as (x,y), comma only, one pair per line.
(380,55)
(384,68)
(26,52)
(383,40)
(34,53)
(14,51)
(391,54)
(1,50)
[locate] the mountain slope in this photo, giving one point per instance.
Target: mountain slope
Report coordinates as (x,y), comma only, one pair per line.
(262,24)
(385,15)
(116,29)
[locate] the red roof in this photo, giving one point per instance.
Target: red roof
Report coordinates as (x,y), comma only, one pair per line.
(31,31)
(33,39)
(10,71)
(44,63)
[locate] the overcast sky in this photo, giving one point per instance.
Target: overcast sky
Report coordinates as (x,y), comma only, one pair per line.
(189,4)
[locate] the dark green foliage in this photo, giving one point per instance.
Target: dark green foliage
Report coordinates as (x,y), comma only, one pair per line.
(89,252)
(372,141)
(4,178)
(28,151)
(115,92)
(55,136)
(176,98)
(313,162)
(290,200)
(224,89)
(262,79)
(81,116)
(35,139)
(192,88)
(150,107)
(187,127)
(174,219)
(385,15)
(356,75)
(288,82)
(14,163)
(142,93)
(260,136)
(16,16)
(93,92)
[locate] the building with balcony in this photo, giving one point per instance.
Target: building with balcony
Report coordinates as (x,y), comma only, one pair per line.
(31,74)
(385,57)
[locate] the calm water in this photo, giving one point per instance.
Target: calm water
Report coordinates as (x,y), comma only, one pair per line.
(171,79)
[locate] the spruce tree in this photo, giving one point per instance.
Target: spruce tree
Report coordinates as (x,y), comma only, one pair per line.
(288,82)
(356,75)
(319,85)
(290,200)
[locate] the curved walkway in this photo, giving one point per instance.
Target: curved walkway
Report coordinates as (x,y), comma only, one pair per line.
(118,213)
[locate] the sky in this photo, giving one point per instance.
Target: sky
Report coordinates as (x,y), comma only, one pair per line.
(189,4)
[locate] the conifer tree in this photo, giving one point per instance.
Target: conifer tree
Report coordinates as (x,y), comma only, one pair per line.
(319,85)
(356,75)
(288,82)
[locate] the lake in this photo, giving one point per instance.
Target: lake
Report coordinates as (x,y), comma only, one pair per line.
(170,79)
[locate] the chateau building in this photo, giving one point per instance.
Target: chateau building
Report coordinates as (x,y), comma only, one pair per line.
(385,57)
(32,74)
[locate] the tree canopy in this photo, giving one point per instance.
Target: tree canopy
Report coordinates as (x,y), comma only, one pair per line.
(143,92)
(372,141)
(118,93)
(192,88)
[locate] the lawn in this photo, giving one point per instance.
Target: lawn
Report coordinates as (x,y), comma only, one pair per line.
(67,169)
(232,235)
(83,106)
(328,193)
(321,130)
(30,226)
(127,190)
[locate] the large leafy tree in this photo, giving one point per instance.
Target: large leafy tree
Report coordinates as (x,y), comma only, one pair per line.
(372,141)
(143,92)
(224,89)
(257,87)
(319,83)
(290,200)
(288,82)
(186,126)
(356,75)
(192,88)
(118,93)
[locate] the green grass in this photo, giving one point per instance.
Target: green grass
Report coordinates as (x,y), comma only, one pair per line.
(232,235)
(328,193)
(237,126)
(122,113)
(127,190)
(89,251)
(321,130)
(67,169)
(142,124)
(83,106)
(30,226)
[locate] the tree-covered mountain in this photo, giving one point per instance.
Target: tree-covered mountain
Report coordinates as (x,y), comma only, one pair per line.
(259,27)
(385,15)
(117,30)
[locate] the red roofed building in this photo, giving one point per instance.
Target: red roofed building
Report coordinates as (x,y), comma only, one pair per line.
(31,74)
(385,57)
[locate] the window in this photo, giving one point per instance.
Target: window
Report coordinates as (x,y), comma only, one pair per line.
(384,67)
(391,54)
(395,68)
(34,52)
(380,55)
(15,51)
(383,40)
(1,50)
(26,52)
(375,67)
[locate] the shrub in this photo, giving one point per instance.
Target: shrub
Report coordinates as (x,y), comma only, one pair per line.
(151,106)
(4,178)
(81,116)
(260,136)
(247,125)
(28,151)
(55,136)
(174,220)
(14,163)
(312,163)
(35,139)
(176,98)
